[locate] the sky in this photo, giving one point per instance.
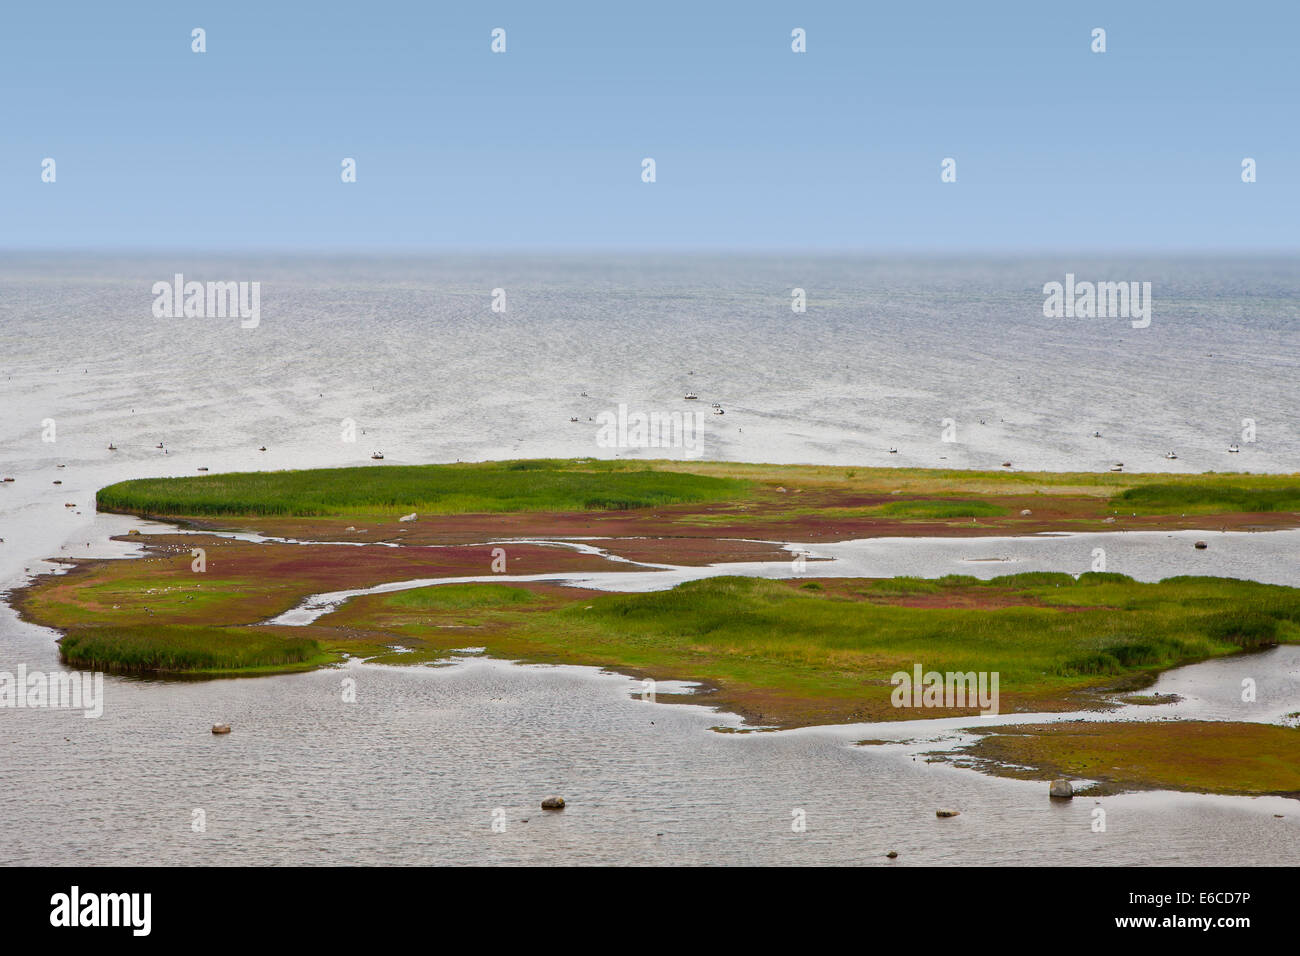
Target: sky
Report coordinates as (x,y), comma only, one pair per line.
(756,147)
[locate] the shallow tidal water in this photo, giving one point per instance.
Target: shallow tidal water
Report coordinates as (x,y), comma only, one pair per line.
(1273,558)
(413,770)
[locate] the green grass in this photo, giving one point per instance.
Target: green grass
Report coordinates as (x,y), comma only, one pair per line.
(187,649)
(1211,496)
(590,485)
(896,587)
(826,654)
(542,485)
(458,597)
(1200,756)
(938,509)
(753,620)
(952,481)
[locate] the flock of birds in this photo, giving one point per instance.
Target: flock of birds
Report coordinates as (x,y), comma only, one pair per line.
(1233,448)
(690,397)
(160,447)
(377,455)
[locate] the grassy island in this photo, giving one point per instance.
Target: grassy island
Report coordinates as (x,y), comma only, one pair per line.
(804,650)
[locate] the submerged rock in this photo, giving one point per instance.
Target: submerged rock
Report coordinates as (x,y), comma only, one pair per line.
(221,728)
(1200,546)
(1062,790)
(892,854)
(947,813)
(553,803)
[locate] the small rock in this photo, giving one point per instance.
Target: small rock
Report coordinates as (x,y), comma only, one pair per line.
(1062,789)
(1200,546)
(221,728)
(1025,513)
(892,854)
(553,803)
(947,813)
(411,517)
(1110,520)
(133,531)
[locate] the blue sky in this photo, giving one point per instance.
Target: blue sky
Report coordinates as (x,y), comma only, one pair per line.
(839,148)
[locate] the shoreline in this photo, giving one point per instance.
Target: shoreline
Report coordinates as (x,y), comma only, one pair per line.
(154,604)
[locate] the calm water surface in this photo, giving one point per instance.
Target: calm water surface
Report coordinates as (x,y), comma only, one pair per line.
(412,772)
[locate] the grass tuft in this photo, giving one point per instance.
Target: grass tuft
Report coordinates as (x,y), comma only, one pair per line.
(1213,496)
(542,485)
(179,648)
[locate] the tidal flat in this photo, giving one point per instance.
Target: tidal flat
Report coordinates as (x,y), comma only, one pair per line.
(800,651)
